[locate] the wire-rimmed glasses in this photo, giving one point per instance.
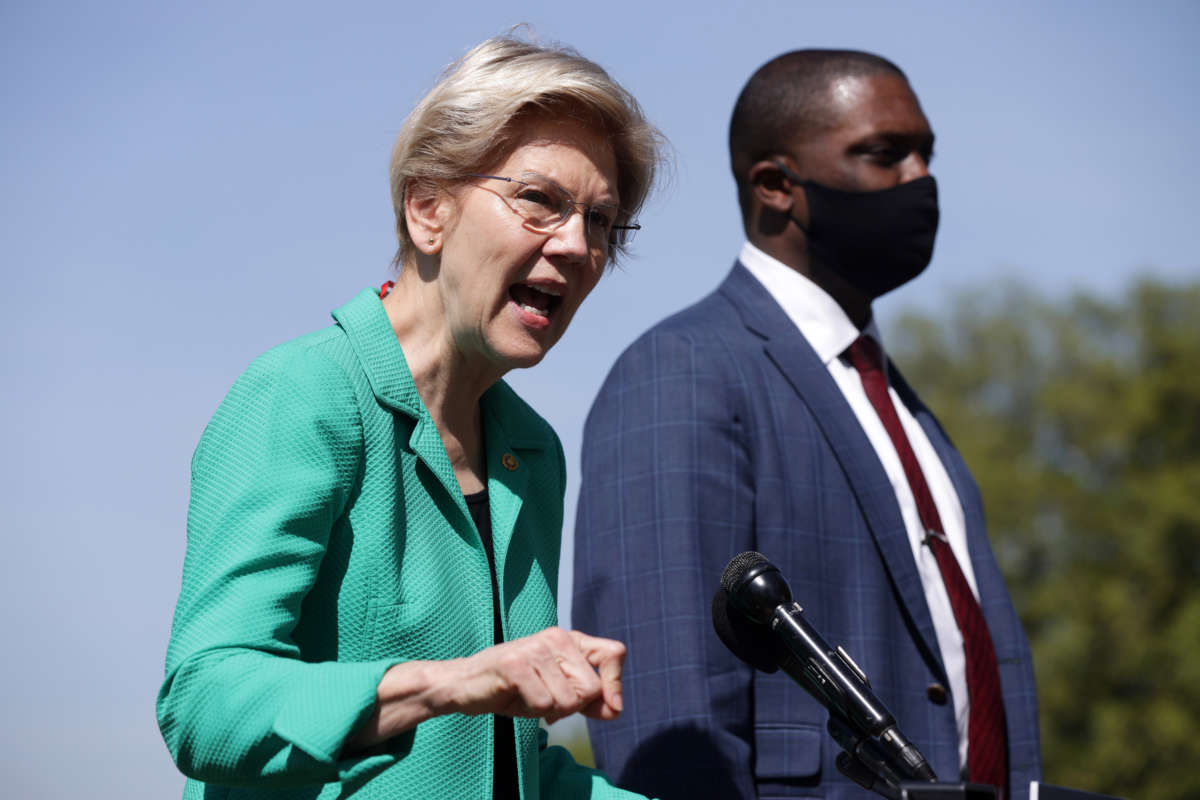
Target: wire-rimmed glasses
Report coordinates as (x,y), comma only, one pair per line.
(545,206)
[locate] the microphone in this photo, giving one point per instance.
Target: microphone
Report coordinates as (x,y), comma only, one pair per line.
(763,626)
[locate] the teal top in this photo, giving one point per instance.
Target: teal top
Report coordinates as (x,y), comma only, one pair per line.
(328,539)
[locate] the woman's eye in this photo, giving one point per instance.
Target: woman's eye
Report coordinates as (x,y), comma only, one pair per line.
(531,194)
(600,221)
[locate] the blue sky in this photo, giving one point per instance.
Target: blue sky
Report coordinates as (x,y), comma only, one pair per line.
(186,185)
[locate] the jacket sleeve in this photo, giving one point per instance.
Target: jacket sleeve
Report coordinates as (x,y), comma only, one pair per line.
(271,475)
(667,499)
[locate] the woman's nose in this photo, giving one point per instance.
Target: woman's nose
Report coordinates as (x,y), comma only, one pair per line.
(571,238)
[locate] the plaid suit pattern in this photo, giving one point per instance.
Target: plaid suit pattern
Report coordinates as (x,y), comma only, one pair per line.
(720,431)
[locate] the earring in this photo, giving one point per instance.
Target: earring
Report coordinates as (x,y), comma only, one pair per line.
(429,240)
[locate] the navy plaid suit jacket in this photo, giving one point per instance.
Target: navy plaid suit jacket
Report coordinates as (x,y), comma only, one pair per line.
(720,431)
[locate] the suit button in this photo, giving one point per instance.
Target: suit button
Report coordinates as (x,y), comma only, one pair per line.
(509,461)
(937,694)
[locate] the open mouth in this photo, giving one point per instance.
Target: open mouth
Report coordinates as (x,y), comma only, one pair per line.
(539,300)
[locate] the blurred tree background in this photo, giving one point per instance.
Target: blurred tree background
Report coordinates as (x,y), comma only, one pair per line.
(1081,421)
(1080,418)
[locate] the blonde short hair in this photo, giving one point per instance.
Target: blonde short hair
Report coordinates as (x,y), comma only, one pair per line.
(465,123)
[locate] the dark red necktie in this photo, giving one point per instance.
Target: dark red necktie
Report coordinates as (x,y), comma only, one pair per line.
(986,756)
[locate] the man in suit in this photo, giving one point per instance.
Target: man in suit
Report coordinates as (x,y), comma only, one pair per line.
(766,417)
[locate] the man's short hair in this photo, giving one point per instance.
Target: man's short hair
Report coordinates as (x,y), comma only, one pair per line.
(787,98)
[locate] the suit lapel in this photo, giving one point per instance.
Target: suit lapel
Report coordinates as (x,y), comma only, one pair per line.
(791,354)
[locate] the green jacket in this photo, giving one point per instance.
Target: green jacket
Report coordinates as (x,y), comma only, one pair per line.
(328,540)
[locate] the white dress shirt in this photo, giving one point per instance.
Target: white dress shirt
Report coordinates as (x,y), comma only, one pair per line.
(830,332)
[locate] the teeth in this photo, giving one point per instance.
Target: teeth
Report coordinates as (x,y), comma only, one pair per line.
(550,290)
(541,312)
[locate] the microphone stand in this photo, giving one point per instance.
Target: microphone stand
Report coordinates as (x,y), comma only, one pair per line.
(858,772)
(865,762)
(873,767)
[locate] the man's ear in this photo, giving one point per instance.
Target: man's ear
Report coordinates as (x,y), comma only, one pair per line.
(427,212)
(775,192)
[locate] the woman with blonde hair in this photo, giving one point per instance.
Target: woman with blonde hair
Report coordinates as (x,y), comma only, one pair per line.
(368,598)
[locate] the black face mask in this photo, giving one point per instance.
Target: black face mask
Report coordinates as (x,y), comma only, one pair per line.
(876,241)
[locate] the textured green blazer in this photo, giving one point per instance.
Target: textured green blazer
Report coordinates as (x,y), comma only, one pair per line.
(328,540)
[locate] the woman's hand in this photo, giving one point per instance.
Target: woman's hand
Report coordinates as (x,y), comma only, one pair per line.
(551,674)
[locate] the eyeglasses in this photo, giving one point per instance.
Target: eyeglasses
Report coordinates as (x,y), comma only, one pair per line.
(545,206)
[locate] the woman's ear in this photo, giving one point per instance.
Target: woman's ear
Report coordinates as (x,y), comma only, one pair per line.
(775,192)
(427,211)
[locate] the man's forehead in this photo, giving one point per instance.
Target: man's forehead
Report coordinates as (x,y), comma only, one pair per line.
(845,91)
(879,100)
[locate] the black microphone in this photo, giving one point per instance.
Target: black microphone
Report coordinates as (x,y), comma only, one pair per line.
(756,590)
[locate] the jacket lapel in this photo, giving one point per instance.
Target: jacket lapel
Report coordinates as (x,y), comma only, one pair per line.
(510,428)
(371,335)
(792,355)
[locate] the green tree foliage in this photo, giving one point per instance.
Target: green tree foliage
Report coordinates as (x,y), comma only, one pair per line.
(1081,421)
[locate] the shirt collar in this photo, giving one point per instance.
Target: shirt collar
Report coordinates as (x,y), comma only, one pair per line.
(818,316)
